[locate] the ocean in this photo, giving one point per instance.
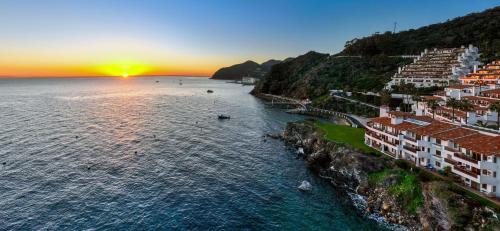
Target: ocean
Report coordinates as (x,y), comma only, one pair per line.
(136,154)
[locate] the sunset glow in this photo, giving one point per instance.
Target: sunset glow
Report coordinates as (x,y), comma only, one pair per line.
(110,38)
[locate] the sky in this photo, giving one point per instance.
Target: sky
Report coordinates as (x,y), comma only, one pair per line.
(193,37)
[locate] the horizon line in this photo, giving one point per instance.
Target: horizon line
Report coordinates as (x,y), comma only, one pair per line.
(96,76)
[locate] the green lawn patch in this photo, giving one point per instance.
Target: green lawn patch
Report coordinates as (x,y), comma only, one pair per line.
(345,134)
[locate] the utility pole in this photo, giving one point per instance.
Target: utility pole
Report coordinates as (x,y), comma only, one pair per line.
(394,30)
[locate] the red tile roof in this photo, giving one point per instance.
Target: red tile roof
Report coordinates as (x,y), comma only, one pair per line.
(460,86)
(480,143)
(434,127)
(455,133)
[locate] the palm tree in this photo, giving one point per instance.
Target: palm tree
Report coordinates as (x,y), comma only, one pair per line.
(453,103)
(466,106)
(407,89)
(433,104)
(496,108)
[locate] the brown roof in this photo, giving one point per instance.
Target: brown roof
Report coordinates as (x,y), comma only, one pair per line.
(405,126)
(490,100)
(455,133)
(493,91)
(434,127)
(401,127)
(382,120)
(459,86)
(480,143)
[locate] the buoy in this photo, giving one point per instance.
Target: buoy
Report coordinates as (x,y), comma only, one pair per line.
(135,152)
(88,168)
(76,137)
(4,163)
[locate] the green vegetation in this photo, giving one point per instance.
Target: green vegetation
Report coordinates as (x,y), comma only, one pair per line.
(479,29)
(345,134)
(371,61)
(405,186)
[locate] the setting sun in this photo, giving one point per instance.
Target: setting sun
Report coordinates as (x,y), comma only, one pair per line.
(125,75)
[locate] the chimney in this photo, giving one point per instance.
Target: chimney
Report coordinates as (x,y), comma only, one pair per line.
(383,111)
(475,68)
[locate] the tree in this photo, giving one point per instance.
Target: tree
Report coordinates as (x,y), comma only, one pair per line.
(466,106)
(453,103)
(407,89)
(385,97)
(433,104)
(496,108)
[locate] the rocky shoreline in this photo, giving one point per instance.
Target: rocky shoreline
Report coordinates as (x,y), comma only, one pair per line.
(351,170)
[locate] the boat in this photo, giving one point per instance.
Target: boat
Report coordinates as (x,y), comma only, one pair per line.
(210,91)
(157,81)
(224,117)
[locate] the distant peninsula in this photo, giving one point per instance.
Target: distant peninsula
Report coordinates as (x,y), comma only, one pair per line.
(248,68)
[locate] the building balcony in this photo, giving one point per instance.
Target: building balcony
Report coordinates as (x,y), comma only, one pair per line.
(450,161)
(466,158)
(450,149)
(390,142)
(373,134)
(410,139)
(411,149)
(465,171)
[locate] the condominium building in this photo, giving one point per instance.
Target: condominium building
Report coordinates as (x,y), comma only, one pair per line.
(437,67)
(472,155)
(488,75)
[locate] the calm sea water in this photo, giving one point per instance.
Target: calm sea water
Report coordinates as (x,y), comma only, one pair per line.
(105,153)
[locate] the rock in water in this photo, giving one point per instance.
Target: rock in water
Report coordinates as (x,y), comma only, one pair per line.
(305,186)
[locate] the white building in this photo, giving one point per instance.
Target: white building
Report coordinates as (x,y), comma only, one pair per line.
(248,80)
(472,155)
(437,67)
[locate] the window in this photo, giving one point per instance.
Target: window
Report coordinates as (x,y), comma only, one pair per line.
(484,186)
(438,141)
(495,174)
(438,164)
(494,189)
(438,153)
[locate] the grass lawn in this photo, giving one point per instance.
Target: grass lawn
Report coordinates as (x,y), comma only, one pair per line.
(345,134)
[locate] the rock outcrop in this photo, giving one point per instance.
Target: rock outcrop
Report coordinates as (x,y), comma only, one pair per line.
(349,170)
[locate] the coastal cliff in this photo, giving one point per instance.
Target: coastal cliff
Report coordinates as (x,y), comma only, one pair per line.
(381,187)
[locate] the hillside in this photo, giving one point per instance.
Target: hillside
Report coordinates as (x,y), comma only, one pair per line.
(313,74)
(248,68)
(480,29)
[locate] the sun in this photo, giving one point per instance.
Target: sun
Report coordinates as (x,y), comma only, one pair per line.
(125,75)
